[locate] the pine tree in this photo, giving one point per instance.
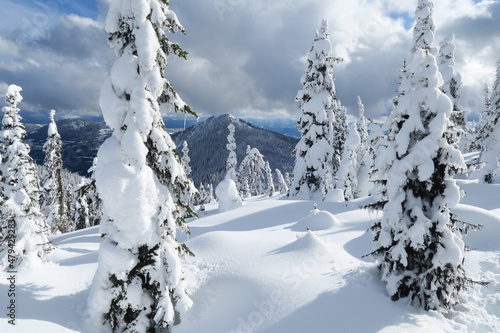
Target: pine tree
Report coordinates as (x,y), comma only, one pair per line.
(314,153)
(81,212)
(383,157)
(269,178)
(362,126)
(489,159)
(451,86)
(53,205)
(340,132)
(191,196)
(22,228)
(365,159)
(418,243)
(185,158)
(484,125)
(288,179)
(252,172)
(232,161)
(139,285)
(282,185)
(347,174)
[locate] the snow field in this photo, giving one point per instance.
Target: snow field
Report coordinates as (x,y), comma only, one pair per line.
(258,269)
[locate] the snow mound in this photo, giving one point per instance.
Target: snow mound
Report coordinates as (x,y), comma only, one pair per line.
(306,243)
(317,220)
(228,196)
(335,195)
(485,239)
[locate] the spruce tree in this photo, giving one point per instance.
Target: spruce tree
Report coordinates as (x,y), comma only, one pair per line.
(53,204)
(232,161)
(384,158)
(364,158)
(23,231)
(252,172)
(484,125)
(451,86)
(418,243)
(81,212)
(339,135)
(269,178)
(312,175)
(139,285)
(347,174)
(489,159)
(362,127)
(186,158)
(282,185)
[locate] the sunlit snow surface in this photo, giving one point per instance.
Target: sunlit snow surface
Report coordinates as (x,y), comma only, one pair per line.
(258,269)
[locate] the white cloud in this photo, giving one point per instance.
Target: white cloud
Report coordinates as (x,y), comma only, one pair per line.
(248,55)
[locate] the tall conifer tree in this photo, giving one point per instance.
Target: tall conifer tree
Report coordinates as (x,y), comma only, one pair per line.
(139,285)
(52,199)
(22,228)
(419,246)
(312,175)
(489,159)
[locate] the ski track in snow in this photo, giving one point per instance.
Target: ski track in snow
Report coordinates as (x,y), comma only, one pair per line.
(258,269)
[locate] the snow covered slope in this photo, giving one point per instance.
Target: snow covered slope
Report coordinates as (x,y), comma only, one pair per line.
(258,269)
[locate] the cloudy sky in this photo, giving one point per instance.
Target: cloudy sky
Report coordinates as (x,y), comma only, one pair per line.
(246,57)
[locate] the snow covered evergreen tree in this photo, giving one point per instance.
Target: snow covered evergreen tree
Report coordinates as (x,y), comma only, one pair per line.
(232,161)
(384,158)
(489,159)
(22,228)
(347,174)
(339,135)
(53,205)
(269,178)
(185,158)
(81,212)
(288,179)
(452,83)
(314,153)
(282,185)
(252,172)
(418,244)
(139,285)
(362,127)
(484,125)
(365,159)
